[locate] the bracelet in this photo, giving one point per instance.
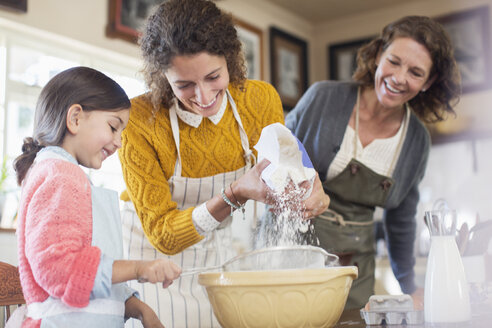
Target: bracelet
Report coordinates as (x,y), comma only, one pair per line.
(241,206)
(232,205)
(235,198)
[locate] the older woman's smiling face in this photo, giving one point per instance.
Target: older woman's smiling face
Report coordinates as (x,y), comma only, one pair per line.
(403,71)
(199,82)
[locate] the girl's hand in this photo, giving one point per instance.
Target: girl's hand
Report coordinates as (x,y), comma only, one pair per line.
(135,308)
(160,270)
(150,320)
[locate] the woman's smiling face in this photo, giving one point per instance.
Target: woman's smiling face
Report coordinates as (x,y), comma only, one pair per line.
(199,82)
(403,71)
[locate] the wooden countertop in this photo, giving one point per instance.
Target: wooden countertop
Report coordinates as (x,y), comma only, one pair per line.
(352,319)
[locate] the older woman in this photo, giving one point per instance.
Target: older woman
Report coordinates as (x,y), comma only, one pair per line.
(187,151)
(370,148)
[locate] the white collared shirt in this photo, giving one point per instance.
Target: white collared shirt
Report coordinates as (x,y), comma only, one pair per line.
(195,120)
(377,155)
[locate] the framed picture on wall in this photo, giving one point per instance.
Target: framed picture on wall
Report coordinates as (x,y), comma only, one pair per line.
(289,68)
(252,40)
(469,31)
(14,5)
(127,17)
(342,58)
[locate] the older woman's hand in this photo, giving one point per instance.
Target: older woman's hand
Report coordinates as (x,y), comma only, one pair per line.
(317,202)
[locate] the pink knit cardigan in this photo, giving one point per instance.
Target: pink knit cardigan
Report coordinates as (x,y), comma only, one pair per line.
(54,235)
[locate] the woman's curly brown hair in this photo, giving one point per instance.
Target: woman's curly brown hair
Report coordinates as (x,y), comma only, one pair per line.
(187,27)
(443,94)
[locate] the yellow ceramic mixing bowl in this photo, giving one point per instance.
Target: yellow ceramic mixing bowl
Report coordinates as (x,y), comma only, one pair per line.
(279,298)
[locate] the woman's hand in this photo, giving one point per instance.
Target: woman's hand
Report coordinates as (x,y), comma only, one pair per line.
(418,299)
(248,186)
(317,202)
(252,186)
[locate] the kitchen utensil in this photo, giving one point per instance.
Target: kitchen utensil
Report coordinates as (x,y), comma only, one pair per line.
(462,238)
(274,258)
(446,296)
(480,235)
(279,298)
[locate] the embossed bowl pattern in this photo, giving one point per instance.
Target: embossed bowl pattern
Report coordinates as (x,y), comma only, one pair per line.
(279,298)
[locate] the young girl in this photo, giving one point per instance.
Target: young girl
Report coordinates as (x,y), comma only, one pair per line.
(69,233)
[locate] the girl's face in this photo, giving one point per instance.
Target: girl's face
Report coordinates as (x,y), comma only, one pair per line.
(403,71)
(96,135)
(199,82)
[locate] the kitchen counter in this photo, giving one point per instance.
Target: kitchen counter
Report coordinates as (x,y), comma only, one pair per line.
(352,319)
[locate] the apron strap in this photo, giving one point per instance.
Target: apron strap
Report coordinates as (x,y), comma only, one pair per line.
(356,137)
(248,153)
(335,217)
(400,141)
(175,129)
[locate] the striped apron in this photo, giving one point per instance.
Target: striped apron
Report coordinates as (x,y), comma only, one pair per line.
(185,303)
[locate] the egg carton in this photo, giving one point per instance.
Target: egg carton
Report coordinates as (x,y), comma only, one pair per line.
(393,309)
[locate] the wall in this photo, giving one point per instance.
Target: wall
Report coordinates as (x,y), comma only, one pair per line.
(83,21)
(472,108)
(262,15)
(82,25)
(86,21)
(456,171)
(465,163)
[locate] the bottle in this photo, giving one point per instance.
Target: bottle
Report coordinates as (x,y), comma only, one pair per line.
(446,295)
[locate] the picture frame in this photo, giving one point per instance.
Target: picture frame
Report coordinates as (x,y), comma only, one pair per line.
(14,5)
(289,66)
(252,39)
(342,58)
(469,31)
(127,17)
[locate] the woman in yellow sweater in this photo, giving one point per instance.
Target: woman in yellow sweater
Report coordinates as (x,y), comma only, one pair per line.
(187,151)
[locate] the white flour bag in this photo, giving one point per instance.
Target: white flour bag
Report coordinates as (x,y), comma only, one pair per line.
(288,158)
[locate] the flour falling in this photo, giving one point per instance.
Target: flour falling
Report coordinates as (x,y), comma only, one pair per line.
(286,226)
(290,176)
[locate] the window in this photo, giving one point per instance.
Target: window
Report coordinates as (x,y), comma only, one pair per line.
(28,60)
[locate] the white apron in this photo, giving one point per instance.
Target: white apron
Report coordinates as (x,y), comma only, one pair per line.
(101,312)
(185,303)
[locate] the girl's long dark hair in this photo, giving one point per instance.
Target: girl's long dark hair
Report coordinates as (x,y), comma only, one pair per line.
(85,86)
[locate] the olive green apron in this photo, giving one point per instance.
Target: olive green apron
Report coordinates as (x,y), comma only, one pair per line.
(347,227)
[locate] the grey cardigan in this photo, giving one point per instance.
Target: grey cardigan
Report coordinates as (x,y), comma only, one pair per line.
(319,121)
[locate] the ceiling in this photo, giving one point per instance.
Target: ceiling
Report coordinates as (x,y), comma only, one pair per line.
(322,10)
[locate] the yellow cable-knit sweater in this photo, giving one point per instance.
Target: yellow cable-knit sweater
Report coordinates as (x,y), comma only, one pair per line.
(148,157)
